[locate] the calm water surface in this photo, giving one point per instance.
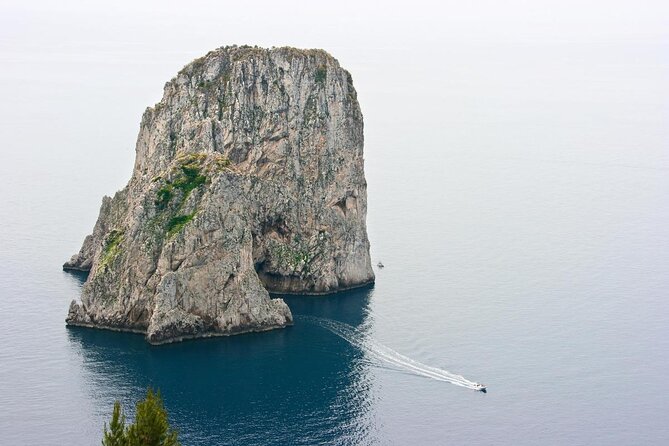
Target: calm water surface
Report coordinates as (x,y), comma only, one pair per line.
(518,196)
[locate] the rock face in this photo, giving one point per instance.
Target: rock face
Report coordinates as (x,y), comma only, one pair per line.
(248,178)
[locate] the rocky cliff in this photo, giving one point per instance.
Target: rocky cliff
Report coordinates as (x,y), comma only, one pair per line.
(248,178)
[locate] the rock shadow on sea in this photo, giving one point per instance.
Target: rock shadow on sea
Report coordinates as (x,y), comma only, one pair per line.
(247,389)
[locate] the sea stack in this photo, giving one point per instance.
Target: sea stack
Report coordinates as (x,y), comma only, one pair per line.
(248,179)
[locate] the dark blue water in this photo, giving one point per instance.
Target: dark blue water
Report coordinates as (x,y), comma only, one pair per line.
(296,377)
(518,196)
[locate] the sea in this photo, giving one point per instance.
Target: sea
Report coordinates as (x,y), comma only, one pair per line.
(518,200)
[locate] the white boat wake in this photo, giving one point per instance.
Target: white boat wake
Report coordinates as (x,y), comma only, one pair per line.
(390,357)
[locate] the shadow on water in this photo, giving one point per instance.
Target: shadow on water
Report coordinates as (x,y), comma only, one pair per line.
(299,385)
(76,277)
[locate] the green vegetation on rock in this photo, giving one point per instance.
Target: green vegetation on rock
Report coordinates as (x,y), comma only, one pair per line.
(111,248)
(190,171)
(176,224)
(164,195)
(321,74)
(187,178)
(190,179)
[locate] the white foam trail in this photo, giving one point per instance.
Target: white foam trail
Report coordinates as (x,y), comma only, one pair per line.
(389,356)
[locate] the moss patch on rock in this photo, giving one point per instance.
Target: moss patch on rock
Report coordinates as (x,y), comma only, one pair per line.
(188,174)
(176,224)
(111,249)
(321,74)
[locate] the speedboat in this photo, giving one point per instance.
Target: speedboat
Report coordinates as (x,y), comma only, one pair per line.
(380,265)
(480,387)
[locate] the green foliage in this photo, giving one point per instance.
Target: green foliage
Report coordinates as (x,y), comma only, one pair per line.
(150,427)
(189,172)
(176,224)
(112,247)
(188,178)
(321,74)
(116,434)
(164,195)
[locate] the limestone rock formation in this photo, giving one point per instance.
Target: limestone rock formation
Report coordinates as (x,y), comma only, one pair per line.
(248,178)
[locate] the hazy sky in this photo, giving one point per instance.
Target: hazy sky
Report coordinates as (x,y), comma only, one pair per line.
(577,81)
(349,22)
(142,34)
(196,26)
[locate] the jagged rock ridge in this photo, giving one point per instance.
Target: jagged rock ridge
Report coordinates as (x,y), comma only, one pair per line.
(248,178)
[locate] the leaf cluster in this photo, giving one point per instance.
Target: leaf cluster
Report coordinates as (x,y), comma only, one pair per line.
(150,427)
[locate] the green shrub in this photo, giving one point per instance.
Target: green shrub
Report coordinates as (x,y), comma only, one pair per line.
(189,173)
(176,224)
(150,427)
(188,179)
(116,436)
(321,74)
(164,195)
(111,248)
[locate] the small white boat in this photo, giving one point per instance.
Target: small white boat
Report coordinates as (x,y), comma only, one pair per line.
(380,265)
(480,387)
